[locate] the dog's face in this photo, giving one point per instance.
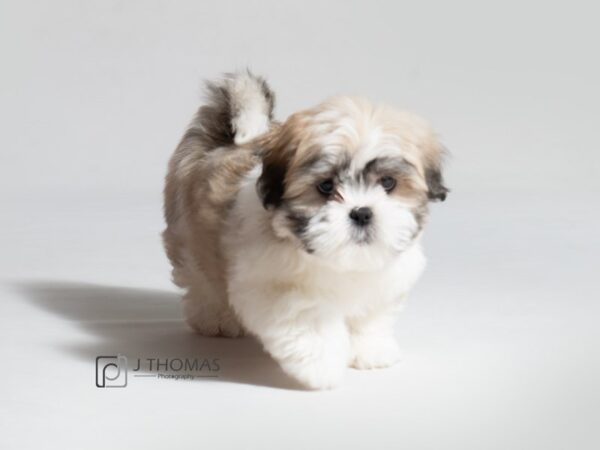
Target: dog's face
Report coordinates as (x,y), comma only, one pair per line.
(350,182)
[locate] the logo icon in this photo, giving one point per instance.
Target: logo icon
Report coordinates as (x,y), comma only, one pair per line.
(111,371)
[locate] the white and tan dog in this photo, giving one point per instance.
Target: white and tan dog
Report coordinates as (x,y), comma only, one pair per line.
(305,233)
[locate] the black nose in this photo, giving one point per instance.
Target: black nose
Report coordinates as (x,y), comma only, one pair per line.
(361,216)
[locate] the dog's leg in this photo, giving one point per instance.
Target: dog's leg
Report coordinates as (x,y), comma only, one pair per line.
(372,340)
(207,311)
(310,343)
(313,351)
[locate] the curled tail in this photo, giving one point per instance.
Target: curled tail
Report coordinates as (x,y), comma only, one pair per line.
(238,108)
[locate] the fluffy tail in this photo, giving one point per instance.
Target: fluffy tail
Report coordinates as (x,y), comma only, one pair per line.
(238,108)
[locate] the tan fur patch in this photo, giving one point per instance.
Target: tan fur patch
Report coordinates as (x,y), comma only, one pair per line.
(201,185)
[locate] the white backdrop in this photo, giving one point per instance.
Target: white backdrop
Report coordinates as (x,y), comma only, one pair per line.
(501,339)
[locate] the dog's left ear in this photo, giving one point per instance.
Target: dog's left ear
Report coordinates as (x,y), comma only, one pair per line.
(435,183)
(433,154)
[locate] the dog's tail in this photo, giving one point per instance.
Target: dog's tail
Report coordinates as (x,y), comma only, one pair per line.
(238,108)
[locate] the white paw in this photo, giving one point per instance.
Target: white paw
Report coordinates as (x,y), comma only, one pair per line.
(372,351)
(229,326)
(210,322)
(318,373)
(228,329)
(318,359)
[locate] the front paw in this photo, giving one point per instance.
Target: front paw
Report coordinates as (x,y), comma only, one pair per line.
(373,352)
(317,362)
(317,373)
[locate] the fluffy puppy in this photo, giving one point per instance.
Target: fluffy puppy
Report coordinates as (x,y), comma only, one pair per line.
(305,233)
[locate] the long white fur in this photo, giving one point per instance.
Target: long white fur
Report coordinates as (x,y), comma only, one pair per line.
(314,317)
(252,110)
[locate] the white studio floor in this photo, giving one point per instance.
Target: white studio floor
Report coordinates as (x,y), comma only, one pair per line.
(501,338)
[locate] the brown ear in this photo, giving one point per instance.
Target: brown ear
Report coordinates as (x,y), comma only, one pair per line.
(435,183)
(278,149)
(434,154)
(270,184)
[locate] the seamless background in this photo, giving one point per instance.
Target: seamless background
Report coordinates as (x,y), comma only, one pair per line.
(501,337)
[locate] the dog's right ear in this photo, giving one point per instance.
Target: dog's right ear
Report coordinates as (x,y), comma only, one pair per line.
(270,184)
(278,149)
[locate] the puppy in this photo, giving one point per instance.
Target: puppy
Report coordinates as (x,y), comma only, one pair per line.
(305,233)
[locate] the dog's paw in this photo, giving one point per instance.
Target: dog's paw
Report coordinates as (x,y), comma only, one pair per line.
(317,360)
(317,374)
(229,326)
(215,323)
(373,352)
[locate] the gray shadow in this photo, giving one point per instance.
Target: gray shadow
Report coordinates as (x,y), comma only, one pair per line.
(144,323)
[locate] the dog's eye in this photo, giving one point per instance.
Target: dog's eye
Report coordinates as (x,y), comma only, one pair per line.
(326,187)
(388,183)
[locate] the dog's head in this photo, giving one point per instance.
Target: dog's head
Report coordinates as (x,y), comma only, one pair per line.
(350,182)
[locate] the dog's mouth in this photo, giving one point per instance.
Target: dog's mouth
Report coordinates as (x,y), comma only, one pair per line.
(363,236)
